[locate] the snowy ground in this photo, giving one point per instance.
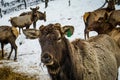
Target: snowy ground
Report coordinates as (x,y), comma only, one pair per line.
(58,11)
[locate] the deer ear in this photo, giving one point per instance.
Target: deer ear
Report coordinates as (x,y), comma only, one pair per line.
(41,27)
(37,7)
(68,30)
(85,16)
(31,8)
(44,12)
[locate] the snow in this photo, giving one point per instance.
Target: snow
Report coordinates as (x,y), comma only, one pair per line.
(58,11)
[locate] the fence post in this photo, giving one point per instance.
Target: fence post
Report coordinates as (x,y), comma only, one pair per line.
(0,13)
(46,3)
(25,4)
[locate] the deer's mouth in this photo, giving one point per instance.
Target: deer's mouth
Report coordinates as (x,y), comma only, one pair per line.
(54,71)
(54,68)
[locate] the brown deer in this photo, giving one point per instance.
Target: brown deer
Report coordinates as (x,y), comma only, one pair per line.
(8,34)
(90,17)
(79,59)
(101,26)
(104,24)
(41,16)
(24,21)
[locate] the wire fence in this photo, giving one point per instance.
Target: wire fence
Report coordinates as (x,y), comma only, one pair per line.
(8,7)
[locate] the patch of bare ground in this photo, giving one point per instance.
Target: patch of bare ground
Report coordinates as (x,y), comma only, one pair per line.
(7,73)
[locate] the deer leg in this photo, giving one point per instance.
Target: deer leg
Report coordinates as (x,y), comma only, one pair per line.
(87,35)
(34,25)
(19,31)
(15,58)
(22,29)
(13,46)
(27,27)
(10,52)
(117,75)
(2,47)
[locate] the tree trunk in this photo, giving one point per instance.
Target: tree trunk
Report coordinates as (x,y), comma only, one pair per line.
(2,2)
(25,4)
(46,3)
(0,13)
(103,4)
(117,2)
(42,0)
(69,2)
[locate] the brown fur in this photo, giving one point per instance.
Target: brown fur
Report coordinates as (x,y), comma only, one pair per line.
(24,21)
(115,35)
(94,59)
(90,17)
(107,24)
(93,16)
(102,26)
(93,54)
(8,35)
(15,31)
(41,16)
(114,18)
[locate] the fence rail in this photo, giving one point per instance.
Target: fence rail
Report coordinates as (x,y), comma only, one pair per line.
(16,6)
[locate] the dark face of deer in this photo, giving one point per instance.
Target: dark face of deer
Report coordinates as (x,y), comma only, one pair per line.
(53,47)
(34,11)
(94,26)
(97,26)
(100,24)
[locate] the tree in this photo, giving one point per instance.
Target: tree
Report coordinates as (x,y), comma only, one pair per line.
(42,0)
(2,2)
(117,2)
(25,4)
(46,3)
(18,0)
(69,2)
(0,13)
(111,4)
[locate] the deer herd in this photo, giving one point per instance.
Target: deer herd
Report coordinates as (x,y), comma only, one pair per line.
(9,34)
(51,37)
(108,18)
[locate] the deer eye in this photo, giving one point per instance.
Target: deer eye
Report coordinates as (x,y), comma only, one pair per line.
(59,39)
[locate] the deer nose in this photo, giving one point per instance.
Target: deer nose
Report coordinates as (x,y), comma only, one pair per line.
(46,58)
